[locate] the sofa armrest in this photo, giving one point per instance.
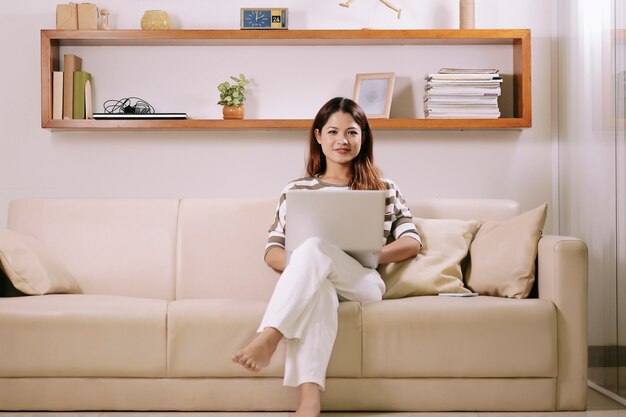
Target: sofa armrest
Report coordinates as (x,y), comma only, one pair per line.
(562,278)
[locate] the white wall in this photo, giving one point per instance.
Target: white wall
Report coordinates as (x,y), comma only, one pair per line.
(37,162)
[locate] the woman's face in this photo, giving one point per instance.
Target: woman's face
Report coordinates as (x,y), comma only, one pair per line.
(340,139)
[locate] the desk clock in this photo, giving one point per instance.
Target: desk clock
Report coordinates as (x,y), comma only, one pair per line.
(263,18)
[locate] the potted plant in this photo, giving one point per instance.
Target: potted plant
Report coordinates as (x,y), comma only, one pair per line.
(232,97)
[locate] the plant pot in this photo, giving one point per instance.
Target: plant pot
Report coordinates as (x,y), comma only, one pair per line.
(232,112)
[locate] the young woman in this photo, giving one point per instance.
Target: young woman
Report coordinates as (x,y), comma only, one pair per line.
(303,307)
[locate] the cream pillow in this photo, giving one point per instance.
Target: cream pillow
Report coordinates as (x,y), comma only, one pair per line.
(31,267)
(437,268)
(502,256)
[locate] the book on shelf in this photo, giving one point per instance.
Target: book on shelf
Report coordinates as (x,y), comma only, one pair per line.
(461,99)
(88,100)
(463,77)
(462,115)
(494,92)
(57,94)
(140,116)
(71,63)
(460,108)
(464,83)
(469,71)
(78,104)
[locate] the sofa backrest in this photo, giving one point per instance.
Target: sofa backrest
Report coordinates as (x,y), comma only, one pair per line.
(464,209)
(221,248)
(221,241)
(179,249)
(111,246)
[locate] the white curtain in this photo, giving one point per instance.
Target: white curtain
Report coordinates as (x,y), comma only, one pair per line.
(591,165)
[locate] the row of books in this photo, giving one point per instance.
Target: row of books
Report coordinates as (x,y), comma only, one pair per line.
(455,93)
(72,96)
(71,90)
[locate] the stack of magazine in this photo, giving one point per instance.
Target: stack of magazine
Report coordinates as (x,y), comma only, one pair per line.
(455,93)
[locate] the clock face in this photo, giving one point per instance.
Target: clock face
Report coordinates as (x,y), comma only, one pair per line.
(257,18)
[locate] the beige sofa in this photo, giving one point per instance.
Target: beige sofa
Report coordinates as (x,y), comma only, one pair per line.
(171,288)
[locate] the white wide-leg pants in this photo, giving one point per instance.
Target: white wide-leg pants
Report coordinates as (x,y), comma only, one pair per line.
(303,306)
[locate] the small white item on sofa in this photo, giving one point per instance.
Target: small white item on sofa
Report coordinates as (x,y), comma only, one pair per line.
(31,268)
(458,294)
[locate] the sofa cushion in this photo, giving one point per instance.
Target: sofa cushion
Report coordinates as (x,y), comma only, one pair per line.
(31,267)
(112,246)
(82,336)
(437,268)
(222,243)
(502,256)
(478,337)
(204,334)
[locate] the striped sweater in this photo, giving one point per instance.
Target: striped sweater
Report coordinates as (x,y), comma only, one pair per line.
(398,218)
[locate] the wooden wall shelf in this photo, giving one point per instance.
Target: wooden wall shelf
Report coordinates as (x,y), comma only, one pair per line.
(51,40)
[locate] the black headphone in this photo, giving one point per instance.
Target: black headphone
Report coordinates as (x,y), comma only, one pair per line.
(126,105)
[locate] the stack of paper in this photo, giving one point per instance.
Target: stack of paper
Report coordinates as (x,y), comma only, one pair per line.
(455,93)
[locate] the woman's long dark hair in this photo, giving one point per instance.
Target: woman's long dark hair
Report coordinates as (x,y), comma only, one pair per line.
(365,173)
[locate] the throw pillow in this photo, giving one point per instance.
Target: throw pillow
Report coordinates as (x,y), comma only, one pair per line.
(437,268)
(31,268)
(502,256)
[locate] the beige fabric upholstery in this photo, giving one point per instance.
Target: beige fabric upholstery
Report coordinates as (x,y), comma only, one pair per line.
(268,394)
(225,239)
(503,254)
(111,246)
(68,335)
(465,209)
(478,337)
(195,288)
(204,334)
(437,268)
(31,267)
(563,281)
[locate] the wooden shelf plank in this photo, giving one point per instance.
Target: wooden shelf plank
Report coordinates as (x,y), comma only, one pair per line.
(278,124)
(285,37)
(51,40)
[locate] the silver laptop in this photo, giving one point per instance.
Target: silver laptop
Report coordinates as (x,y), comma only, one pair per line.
(351,220)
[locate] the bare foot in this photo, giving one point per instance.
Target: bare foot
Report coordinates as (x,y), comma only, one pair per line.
(258,353)
(309,405)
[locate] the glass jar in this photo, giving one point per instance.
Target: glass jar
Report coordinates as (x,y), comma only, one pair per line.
(155,20)
(104,13)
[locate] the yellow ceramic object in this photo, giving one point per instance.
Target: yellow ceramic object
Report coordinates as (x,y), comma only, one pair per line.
(155,20)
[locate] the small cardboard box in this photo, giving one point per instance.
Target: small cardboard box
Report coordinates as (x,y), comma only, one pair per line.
(67,16)
(87,16)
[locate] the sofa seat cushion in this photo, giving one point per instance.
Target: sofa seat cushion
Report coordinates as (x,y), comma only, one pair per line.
(68,335)
(478,337)
(203,334)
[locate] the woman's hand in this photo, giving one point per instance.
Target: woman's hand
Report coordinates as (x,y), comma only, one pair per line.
(275,258)
(399,250)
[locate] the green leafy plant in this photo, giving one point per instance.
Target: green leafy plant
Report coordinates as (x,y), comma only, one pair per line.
(233,94)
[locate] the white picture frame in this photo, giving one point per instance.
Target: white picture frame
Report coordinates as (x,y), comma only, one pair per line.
(373,92)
